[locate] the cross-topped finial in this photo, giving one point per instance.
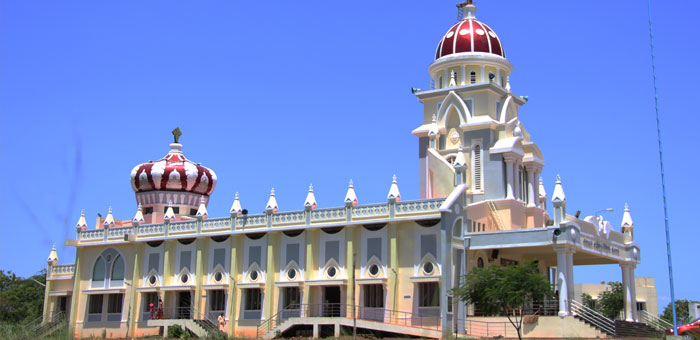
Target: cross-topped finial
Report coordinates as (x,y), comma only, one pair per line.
(177,133)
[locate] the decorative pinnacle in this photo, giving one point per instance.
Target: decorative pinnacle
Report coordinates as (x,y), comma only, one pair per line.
(394,191)
(177,133)
(468,9)
(351,197)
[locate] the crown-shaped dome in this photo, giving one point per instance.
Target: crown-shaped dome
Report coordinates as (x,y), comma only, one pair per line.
(469,36)
(173,172)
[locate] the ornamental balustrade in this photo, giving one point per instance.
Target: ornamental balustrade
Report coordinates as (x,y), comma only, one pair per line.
(294,217)
(62,269)
(216,224)
(417,207)
(327,216)
(371,210)
(182,227)
(118,233)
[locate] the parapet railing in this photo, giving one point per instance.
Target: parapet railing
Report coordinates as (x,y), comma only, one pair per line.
(59,270)
(329,216)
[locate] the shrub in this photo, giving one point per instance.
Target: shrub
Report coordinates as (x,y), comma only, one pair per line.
(175,331)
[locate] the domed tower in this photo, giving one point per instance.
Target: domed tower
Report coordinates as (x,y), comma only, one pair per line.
(470,105)
(171,181)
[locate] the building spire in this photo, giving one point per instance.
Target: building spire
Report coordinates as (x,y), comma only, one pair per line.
(542,192)
(627,223)
(53,256)
(138,218)
(394,193)
(169,213)
(236,208)
(82,223)
(202,211)
(272,202)
(109,220)
(558,195)
(310,201)
(350,197)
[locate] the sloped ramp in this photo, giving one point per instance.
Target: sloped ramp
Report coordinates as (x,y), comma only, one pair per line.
(348,322)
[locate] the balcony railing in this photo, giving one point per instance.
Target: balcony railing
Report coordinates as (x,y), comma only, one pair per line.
(330,216)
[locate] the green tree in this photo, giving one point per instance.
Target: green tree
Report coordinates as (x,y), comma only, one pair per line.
(682,316)
(611,301)
(21,300)
(507,290)
(588,301)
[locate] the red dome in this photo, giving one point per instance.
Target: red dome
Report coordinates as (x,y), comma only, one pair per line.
(469,35)
(173,172)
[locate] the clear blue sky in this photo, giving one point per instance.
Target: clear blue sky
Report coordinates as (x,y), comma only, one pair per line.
(284,94)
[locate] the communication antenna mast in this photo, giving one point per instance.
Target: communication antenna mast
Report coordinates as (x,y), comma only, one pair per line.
(663,180)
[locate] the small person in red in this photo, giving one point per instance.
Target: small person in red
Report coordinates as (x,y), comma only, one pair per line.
(152,309)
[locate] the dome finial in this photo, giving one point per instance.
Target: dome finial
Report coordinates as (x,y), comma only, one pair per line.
(176,134)
(468,9)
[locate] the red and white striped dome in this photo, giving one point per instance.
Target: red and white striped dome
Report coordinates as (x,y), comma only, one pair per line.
(469,36)
(173,172)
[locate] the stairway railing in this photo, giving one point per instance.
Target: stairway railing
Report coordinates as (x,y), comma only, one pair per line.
(654,321)
(594,318)
(495,215)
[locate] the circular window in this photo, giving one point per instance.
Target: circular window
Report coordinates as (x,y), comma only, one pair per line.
(373,270)
(331,272)
(480,263)
(218,276)
(108,258)
(428,268)
(291,273)
(152,279)
(184,278)
(254,275)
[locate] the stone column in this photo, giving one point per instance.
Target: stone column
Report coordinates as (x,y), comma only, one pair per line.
(516,180)
(537,187)
(464,76)
(461,306)
(570,273)
(132,308)
(509,176)
(531,197)
(627,292)
(75,297)
(633,286)
(233,271)
(270,270)
(392,283)
(47,299)
(201,271)
(483,73)
(562,280)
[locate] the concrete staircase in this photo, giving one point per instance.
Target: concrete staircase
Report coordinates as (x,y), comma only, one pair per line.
(626,329)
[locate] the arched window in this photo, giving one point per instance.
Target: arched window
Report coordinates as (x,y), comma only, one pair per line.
(118,269)
(476,168)
(440,83)
(472,77)
(98,271)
